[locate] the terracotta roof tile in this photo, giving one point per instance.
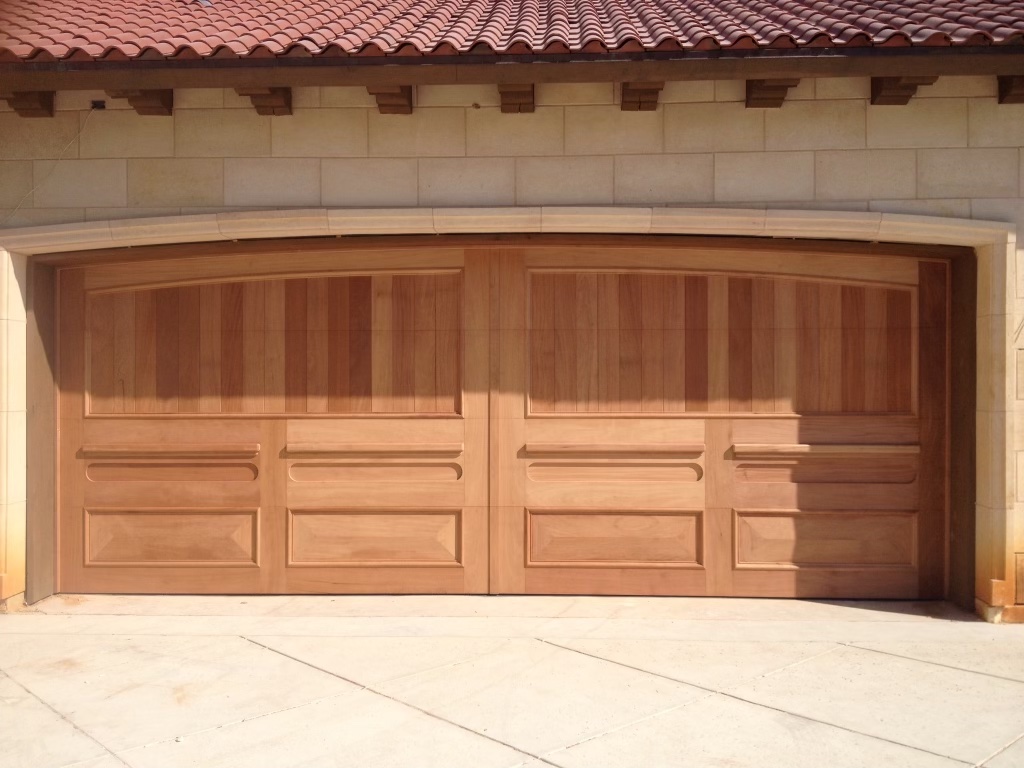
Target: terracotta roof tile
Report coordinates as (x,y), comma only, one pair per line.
(118,29)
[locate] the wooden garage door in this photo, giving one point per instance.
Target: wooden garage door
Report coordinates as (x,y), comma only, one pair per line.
(304,430)
(705,420)
(717,429)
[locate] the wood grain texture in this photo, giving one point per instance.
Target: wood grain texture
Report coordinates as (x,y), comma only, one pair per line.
(298,346)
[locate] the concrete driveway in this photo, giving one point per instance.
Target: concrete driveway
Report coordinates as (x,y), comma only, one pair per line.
(496,682)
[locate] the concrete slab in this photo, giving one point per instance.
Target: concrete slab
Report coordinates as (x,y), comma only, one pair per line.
(373,660)
(34,735)
(715,665)
(363,729)
(1002,657)
(946,711)
(126,691)
(523,681)
(719,731)
(537,697)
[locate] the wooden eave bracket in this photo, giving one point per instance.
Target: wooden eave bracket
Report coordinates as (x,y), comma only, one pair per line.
(1011,89)
(269,101)
(896,91)
(156,102)
(769,94)
(516,98)
(392,99)
(30,103)
(641,97)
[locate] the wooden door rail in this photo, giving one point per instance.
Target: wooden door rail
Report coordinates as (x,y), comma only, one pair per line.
(819,451)
(603,449)
(172,450)
(363,449)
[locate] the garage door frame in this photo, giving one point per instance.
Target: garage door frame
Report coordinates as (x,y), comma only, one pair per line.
(41,366)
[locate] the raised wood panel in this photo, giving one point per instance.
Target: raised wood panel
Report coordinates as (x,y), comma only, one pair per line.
(138,471)
(159,536)
(768,539)
(620,537)
(341,345)
(641,342)
(379,537)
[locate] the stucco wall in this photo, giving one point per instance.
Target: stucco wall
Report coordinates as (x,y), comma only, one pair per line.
(953,151)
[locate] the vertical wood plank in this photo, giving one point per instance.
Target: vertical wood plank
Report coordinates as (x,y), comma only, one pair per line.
(762,340)
(448,367)
(652,343)
(145,353)
(296,316)
(189,343)
(854,376)
(785,346)
(830,354)
(316,345)
(360,360)
(718,344)
(403,352)
(339,399)
(254,346)
(275,347)
(675,343)
(565,342)
(608,344)
(696,344)
(165,302)
(231,350)
(933,305)
(898,350)
(586,343)
(124,353)
(630,343)
(425,345)
(209,349)
(808,340)
(542,341)
(382,345)
(740,348)
(876,383)
(100,309)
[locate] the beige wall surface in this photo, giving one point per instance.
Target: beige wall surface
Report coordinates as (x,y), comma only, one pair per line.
(952,152)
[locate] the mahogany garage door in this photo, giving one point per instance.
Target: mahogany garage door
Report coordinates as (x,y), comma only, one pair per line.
(707,419)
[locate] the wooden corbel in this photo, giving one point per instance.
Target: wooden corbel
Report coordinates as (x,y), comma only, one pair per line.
(30,103)
(896,91)
(1011,89)
(159,102)
(516,98)
(640,97)
(392,99)
(769,94)
(269,101)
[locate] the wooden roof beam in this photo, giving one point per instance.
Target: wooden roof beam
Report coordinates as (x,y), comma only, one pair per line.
(896,91)
(155,102)
(30,103)
(641,97)
(392,99)
(769,94)
(516,97)
(1011,89)
(269,101)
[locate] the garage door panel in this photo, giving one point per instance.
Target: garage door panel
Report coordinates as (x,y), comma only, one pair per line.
(606,538)
(801,539)
(172,493)
(824,430)
(371,494)
(614,494)
(152,536)
(825,496)
(865,583)
(374,537)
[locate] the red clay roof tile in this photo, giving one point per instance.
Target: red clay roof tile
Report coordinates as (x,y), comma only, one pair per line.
(119,29)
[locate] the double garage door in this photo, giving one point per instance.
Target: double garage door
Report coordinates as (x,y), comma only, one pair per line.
(701,419)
